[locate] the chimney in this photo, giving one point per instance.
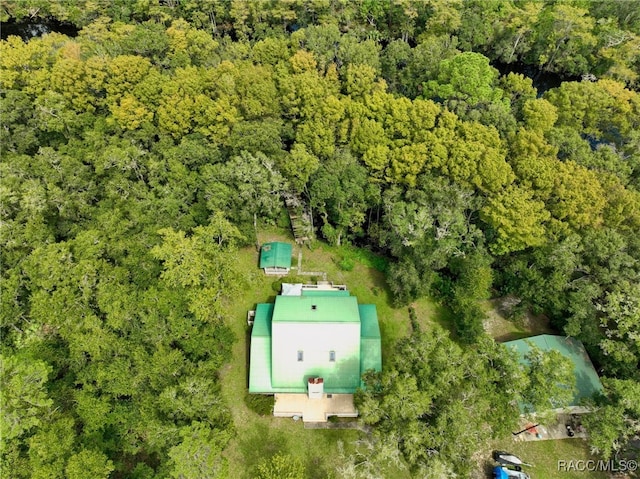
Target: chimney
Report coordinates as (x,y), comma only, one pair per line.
(316,388)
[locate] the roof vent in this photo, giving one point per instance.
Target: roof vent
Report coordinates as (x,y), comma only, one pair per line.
(314,307)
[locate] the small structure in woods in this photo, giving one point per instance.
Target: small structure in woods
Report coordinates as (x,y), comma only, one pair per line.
(587,380)
(275,258)
(310,349)
(300,217)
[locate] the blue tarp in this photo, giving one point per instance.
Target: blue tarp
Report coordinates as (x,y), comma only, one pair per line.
(500,473)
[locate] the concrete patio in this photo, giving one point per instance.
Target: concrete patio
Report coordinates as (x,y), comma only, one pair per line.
(555,430)
(314,410)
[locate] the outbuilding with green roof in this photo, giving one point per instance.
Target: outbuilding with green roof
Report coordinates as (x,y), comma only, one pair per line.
(587,380)
(275,258)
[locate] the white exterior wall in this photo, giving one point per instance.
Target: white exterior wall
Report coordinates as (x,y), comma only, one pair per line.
(315,340)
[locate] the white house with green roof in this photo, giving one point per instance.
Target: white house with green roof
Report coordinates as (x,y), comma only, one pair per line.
(315,344)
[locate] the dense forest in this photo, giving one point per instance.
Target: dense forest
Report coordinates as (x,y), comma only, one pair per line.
(139,156)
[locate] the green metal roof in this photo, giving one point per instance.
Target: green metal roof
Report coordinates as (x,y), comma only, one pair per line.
(317,309)
(275,255)
(260,358)
(370,354)
(587,380)
(370,343)
(343,376)
(262,321)
(321,292)
(369,320)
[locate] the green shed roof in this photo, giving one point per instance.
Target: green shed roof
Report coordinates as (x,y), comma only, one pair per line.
(587,380)
(317,309)
(275,255)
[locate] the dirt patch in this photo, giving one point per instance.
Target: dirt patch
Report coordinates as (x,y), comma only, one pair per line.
(499,327)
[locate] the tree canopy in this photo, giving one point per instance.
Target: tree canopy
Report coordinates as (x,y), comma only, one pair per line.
(138,156)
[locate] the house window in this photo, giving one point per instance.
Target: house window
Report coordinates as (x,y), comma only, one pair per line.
(332,356)
(300,356)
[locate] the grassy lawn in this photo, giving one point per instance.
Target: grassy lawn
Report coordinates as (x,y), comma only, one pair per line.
(259,437)
(545,455)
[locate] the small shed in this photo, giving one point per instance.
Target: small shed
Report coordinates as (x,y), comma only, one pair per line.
(275,258)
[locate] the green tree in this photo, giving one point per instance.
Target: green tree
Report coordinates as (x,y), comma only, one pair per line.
(603,109)
(564,39)
(517,31)
(620,310)
(472,284)
(424,62)
(341,193)
(467,76)
(476,157)
(50,448)
(577,196)
(394,61)
(539,115)
(202,264)
(247,186)
(198,453)
(298,167)
(432,389)
(24,397)
(517,219)
(616,418)
(88,463)
(551,381)
(534,162)
(518,89)
(424,231)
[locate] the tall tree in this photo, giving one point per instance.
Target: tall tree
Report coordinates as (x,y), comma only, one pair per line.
(247,187)
(341,193)
(202,264)
(564,39)
(550,381)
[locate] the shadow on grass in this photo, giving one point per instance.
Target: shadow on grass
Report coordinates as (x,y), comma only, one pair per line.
(444,317)
(247,352)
